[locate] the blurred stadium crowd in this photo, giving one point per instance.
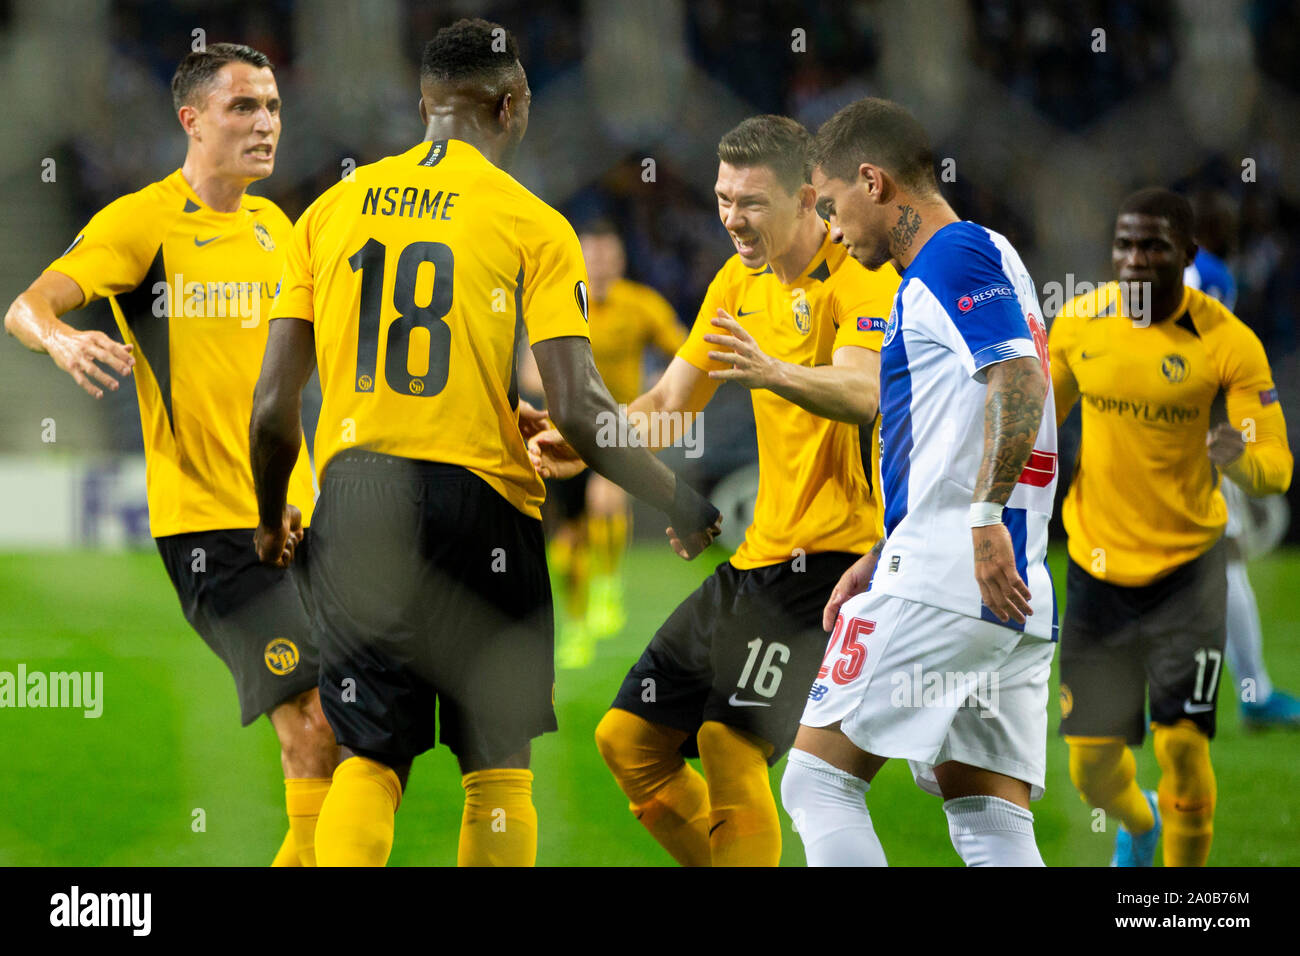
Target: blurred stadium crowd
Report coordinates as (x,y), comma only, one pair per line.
(1047,130)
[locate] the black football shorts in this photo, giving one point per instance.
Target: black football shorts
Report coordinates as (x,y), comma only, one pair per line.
(742,650)
(1120,643)
(429,590)
(249,613)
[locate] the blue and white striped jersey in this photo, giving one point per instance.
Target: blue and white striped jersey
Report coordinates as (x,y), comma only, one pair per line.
(965,303)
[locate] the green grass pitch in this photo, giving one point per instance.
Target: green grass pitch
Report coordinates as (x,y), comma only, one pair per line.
(124,789)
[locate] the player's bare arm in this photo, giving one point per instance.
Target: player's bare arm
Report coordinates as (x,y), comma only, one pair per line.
(682,388)
(532,421)
(34,320)
(1013,410)
(847,390)
(578,402)
(851,582)
(275,436)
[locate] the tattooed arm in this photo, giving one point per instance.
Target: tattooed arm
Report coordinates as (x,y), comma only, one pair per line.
(1013,410)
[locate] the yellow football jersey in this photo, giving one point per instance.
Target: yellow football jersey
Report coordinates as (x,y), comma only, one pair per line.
(420,273)
(631,317)
(1145,496)
(818,480)
(191,289)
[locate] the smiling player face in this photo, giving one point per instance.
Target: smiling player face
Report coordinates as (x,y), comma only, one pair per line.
(856,222)
(238,126)
(760,216)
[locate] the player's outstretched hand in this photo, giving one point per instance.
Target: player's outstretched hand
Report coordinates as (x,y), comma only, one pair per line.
(694,544)
(552,456)
(750,365)
(78,352)
(277,545)
(1224,444)
(851,582)
(1002,589)
(532,421)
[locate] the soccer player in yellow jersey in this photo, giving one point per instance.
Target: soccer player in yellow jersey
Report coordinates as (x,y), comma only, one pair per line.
(409,286)
(587,549)
(795,319)
(1145,616)
(190,266)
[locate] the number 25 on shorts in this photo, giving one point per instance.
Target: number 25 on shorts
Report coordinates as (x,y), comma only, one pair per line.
(843,663)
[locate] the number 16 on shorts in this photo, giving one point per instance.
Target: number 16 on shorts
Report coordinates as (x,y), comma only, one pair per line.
(767,679)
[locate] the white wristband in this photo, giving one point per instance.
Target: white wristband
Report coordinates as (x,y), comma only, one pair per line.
(985,513)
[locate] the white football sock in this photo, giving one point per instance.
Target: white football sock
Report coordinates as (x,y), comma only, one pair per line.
(1245,637)
(828,806)
(990,831)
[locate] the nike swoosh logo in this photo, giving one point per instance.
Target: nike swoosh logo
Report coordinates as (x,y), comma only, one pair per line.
(734,702)
(715,826)
(1190,708)
(742,313)
(1084,356)
(205,241)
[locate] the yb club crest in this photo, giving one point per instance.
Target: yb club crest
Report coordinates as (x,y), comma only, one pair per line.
(281,656)
(1174,368)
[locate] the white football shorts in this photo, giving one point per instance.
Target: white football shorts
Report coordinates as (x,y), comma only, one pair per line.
(915,682)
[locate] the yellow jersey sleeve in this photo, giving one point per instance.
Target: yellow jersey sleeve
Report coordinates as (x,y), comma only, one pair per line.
(861,301)
(554,290)
(296,299)
(721,294)
(1252,399)
(1060,340)
(664,332)
(113,252)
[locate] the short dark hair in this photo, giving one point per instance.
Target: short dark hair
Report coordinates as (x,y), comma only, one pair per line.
(600,227)
(1165,204)
(879,132)
(777,142)
(474,49)
(197,71)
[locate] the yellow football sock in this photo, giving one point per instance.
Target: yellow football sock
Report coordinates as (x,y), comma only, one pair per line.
(559,554)
(499,826)
(1105,773)
(1187,793)
(618,531)
(607,541)
(304,796)
(666,794)
(744,829)
(356,820)
(288,852)
(598,544)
